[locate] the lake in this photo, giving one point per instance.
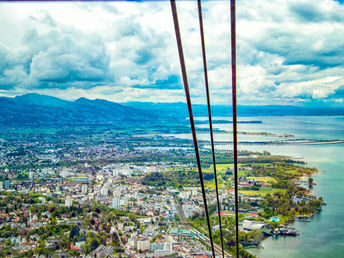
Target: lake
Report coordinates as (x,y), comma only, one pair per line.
(324,235)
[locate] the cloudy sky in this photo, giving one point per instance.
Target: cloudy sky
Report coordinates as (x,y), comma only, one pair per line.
(288,52)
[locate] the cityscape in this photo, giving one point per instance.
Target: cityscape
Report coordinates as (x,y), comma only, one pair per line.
(79,194)
(189,129)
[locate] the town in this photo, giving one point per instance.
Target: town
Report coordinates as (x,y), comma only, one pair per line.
(76,197)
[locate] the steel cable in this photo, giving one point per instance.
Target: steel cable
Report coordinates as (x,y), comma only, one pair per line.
(209,116)
(188,100)
(235,140)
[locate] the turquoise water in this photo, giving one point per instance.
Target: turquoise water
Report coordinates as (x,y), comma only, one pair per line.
(324,235)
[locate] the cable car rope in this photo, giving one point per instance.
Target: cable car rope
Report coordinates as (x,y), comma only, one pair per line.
(188,100)
(209,116)
(235,140)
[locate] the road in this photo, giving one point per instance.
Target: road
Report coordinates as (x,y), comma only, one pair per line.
(114,230)
(218,249)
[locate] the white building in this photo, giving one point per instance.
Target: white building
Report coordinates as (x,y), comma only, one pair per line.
(42,199)
(1,185)
(30,174)
(104,191)
(189,210)
(116,202)
(116,192)
(249,225)
(64,173)
(143,245)
(68,201)
(165,250)
(100,177)
(115,172)
(185,194)
(84,188)
(151,169)
(132,243)
(194,192)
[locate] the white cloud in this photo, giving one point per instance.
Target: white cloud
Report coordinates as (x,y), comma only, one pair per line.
(287,51)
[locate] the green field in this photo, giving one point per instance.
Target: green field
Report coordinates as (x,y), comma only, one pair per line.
(266,179)
(222,167)
(264,191)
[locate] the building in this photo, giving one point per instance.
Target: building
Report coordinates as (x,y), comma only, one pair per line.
(1,185)
(185,195)
(42,200)
(64,173)
(132,243)
(143,245)
(68,201)
(84,188)
(115,173)
(161,248)
(116,202)
(186,233)
(7,184)
(151,169)
(104,191)
(190,210)
(30,174)
(249,225)
(101,251)
(166,250)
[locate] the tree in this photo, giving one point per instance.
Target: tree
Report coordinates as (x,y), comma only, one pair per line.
(256,235)
(75,231)
(310,181)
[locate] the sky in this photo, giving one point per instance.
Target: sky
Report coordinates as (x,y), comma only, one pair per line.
(288,52)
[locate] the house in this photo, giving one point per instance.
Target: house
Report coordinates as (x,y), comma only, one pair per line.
(249,225)
(143,245)
(275,219)
(299,199)
(101,251)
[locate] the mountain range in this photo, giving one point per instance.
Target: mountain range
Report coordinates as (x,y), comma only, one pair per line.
(179,109)
(35,109)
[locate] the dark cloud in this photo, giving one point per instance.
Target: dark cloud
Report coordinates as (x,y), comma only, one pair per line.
(306,12)
(11,70)
(12,76)
(3,57)
(313,12)
(339,93)
(144,56)
(298,48)
(322,59)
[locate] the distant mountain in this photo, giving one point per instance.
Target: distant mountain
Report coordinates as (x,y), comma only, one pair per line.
(179,109)
(42,110)
(41,100)
(35,109)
